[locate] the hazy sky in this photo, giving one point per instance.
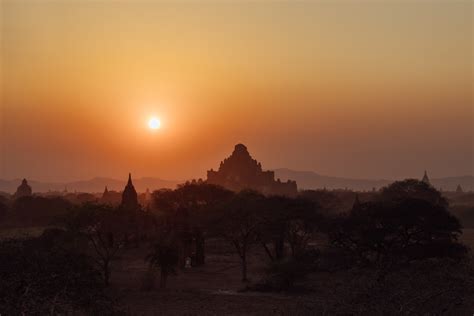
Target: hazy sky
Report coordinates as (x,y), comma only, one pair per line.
(376,89)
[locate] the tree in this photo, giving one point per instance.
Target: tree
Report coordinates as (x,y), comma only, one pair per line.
(400,228)
(3,208)
(239,222)
(37,210)
(188,209)
(412,188)
(293,220)
(326,200)
(164,255)
(106,230)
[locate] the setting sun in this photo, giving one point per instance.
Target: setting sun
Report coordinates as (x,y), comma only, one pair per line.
(154,123)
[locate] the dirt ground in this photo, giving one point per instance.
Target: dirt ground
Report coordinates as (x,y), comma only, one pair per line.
(215,288)
(212,289)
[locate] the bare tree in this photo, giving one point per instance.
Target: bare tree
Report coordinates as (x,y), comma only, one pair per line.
(106,230)
(239,223)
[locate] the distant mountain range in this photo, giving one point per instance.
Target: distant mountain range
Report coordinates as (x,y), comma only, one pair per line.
(92,185)
(304,179)
(312,180)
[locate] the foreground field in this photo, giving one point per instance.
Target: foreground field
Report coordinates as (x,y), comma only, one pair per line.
(216,288)
(467,237)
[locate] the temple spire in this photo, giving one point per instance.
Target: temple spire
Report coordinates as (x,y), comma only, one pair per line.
(425,178)
(356,205)
(129,195)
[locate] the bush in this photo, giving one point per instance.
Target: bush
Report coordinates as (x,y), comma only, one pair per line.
(282,275)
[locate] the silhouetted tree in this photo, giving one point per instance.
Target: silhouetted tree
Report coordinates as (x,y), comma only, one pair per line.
(293,220)
(3,208)
(189,207)
(239,222)
(86,198)
(106,230)
(399,228)
(164,255)
(414,189)
(37,210)
(326,200)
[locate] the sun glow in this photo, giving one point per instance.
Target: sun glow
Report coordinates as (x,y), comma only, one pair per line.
(154,123)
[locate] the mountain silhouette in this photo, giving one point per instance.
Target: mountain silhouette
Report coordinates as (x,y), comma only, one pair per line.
(93,185)
(304,179)
(313,180)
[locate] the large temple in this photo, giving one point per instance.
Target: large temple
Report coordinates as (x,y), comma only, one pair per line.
(240,171)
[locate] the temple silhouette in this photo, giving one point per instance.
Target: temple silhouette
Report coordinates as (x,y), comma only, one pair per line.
(129,195)
(426,179)
(240,171)
(23,190)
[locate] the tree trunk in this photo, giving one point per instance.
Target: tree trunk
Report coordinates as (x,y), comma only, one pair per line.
(279,244)
(269,253)
(244,266)
(106,270)
(163,278)
(200,253)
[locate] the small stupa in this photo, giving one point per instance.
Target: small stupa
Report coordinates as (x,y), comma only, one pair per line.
(23,190)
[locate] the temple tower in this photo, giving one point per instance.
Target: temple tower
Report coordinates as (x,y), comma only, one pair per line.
(23,190)
(426,179)
(129,195)
(357,205)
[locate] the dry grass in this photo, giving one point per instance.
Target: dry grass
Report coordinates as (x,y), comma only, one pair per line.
(21,232)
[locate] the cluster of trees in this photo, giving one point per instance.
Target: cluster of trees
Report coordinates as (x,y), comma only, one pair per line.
(33,210)
(246,219)
(407,221)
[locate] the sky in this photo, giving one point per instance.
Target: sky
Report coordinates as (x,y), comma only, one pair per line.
(361,89)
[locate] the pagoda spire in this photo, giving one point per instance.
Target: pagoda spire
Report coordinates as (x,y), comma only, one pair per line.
(356,205)
(426,179)
(129,195)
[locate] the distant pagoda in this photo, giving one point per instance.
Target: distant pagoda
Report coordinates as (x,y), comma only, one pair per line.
(111,197)
(23,190)
(129,195)
(357,205)
(426,179)
(240,171)
(459,189)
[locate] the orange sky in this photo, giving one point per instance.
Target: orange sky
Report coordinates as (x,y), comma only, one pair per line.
(378,89)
